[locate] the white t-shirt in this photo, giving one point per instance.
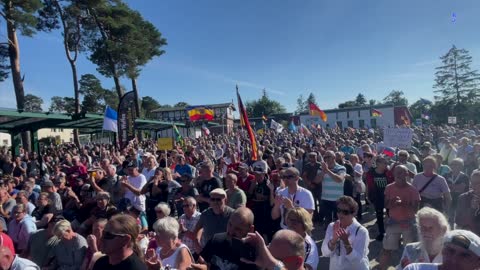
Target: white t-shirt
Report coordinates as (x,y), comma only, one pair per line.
(311,252)
(302,198)
(138,182)
(148,173)
(421,266)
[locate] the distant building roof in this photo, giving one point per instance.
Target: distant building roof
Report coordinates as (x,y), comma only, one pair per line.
(213,106)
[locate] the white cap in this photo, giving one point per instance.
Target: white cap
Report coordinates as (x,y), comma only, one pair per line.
(465,239)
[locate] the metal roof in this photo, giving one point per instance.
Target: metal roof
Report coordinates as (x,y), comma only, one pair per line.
(12,120)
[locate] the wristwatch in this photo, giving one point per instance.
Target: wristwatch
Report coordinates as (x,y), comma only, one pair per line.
(279,266)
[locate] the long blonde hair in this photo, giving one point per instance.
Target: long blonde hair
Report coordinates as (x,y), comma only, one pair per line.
(126,224)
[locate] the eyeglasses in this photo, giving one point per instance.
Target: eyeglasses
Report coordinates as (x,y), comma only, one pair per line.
(216,199)
(344,211)
(290,176)
(110,235)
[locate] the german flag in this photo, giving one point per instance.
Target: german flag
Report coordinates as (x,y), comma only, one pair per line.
(196,113)
(376,113)
(246,125)
(315,111)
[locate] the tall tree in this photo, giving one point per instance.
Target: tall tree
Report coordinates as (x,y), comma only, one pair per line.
(22,16)
(264,106)
(372,102)
(181,104)
(111,98)
(310,99)
(397,98)
(455,80)
(93,94)
(300,105)
(4,67)
(57,104)
(360,100)
(33,103)
(149,104)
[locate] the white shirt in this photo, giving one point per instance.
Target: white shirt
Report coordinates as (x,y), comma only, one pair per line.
(358,258)
(421,266)
(311,252)
(415,253)
(137,182)
(148,173)
(302,198)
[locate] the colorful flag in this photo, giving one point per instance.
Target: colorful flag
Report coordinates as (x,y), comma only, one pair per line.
(376,113)
(305,130)
(110,120)
(315,111)
(246,125)
(389,152)
(176,134)
(200,113)
(205,130)
(276,126)
(292,127)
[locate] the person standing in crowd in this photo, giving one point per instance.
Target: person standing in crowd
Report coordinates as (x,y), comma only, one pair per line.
(235,196)
(432,187)
(346,240)
(432,227)
(53,196)
(377,180)
(332,179)
(207,182)
(133,185)
(70,251)
(402,201)
(461,251)
(182,167)
(458,183)
(20,228)
(358,184)
(44,211)
(222,251)
(468,218)
(155,191)
(119,244)
(300,221)
(188,189)
(291,196)
(214,219)
(245,181)
(188,221)
(170,251)
(6,204)
(403,157)
(10,261)
(261,200)
(311,176)
(149,166)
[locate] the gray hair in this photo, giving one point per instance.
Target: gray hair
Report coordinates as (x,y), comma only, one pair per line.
(458,161)
(428,212)
(168,226)
(61,227)
(164,207)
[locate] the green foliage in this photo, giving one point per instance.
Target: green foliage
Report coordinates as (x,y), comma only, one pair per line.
(33,103)
(4,62)
(360,100)
(149,104)
(397,98)
(111,98)
(93,94)
(181,104)
(62,104)
(455,80)
(419,107)
(23,14)
(264,106)
(303,104)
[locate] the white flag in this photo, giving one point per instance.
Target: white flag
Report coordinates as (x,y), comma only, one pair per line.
(276,126)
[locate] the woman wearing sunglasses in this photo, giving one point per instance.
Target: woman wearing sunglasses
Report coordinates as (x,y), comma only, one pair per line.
(346,240)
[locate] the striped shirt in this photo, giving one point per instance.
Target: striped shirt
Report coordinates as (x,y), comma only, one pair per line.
(332,190)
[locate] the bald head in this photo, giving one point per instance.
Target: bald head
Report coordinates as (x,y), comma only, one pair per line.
(6,258)
(244,214)
(240,223)
(287,243)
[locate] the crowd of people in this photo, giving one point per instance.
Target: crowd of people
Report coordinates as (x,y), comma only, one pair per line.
(207,205)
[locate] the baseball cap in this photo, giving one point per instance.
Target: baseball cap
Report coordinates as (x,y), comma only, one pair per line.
(465,239)
(219,192)
(132,164)
(260,166)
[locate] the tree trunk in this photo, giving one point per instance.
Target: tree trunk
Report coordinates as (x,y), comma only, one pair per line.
(14,55)
(137,107)
(76,132)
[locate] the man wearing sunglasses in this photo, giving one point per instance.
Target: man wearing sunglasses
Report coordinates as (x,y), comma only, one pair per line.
(291,196)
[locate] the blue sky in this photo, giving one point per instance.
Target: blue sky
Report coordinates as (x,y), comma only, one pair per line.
(335,49)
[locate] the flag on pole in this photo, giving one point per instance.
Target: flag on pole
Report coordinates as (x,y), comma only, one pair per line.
(110,120)
(276,126)
(205,130)
(315,111)
(292,127)
(376,113)
(305,130)
(176,134)
(246,125)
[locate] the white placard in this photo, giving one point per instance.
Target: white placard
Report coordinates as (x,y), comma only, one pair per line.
(398,137)
(452,120)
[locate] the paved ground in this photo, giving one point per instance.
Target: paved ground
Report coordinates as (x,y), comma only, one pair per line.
(375,247)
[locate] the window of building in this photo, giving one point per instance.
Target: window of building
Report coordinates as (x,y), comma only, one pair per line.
(348,115)
(361,123)
(350,123)
(340,124)
(373,123)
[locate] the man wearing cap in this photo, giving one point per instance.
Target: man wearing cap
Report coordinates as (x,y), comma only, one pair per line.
(53,196)
(311,172)
(461,251)
(214,219)
(133,184)
(261,199)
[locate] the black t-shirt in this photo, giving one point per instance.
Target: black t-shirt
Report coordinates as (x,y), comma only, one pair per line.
(39,212)
(206,187)
(220,254)
(130,263)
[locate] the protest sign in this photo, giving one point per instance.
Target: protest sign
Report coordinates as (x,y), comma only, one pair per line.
(398,137)
(165,143)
